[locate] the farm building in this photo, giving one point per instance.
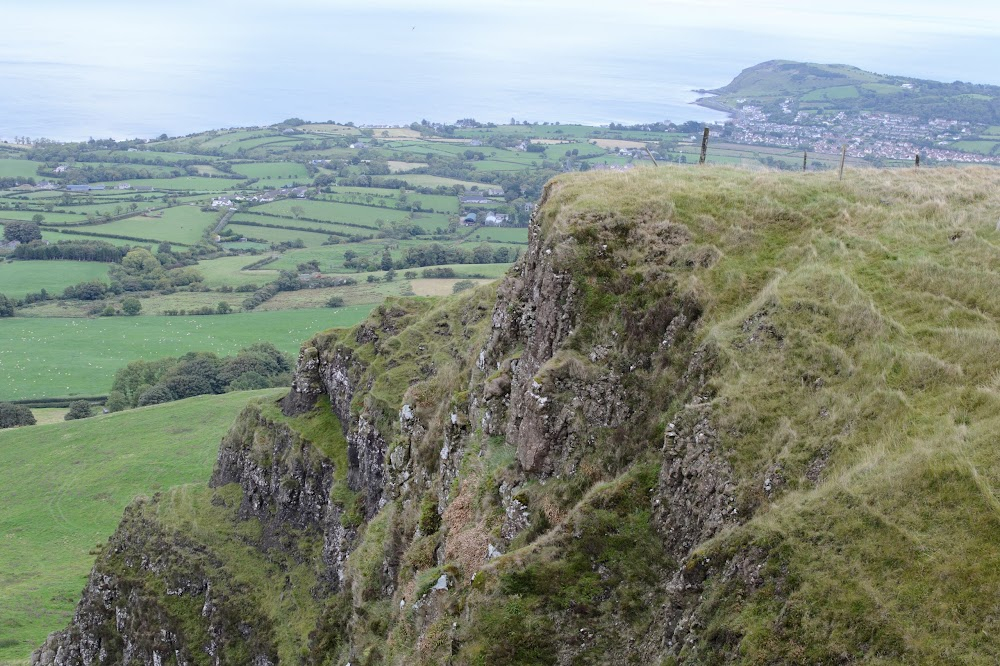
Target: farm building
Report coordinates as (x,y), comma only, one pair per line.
(496,219)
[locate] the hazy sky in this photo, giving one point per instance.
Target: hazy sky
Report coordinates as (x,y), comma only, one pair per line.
(882,33)
(120,66)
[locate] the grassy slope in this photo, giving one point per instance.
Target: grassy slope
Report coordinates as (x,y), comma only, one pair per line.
(62,491)
(66,357)
(880,298)
(814,85)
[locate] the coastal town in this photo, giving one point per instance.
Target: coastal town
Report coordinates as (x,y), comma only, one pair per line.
(868,135)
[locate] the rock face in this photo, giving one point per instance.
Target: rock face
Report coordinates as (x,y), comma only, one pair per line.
(442,464)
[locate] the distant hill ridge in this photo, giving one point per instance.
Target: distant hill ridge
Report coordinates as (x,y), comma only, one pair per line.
(849,88)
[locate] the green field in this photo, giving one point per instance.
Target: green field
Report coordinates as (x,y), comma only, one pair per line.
(981,147)
(18,278)
(504,234)
(285,171)
(335,212)
(280,235)
(180,224)
(229,271)
(50,218)
(74,234)
(19,169)
(497,165)
(833,93)
(62,491)
(331,257)
(424,180)
(444,203)
(54,357)
(325,228)
(362,293)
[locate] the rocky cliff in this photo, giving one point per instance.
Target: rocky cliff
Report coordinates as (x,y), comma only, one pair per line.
(687,427)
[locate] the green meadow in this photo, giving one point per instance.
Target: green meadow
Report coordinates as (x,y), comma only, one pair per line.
(334,211)
(62,491)
(325,228)
(502,234)
(273,170)
(272,235)
(181,224)
(228,271)
(18,278)
(65,357)
(13,168)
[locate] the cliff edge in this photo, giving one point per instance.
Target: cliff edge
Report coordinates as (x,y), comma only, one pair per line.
(712,416)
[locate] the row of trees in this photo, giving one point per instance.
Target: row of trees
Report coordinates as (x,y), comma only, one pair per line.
(141,383)
(8,182)
(434,254)
(86,250)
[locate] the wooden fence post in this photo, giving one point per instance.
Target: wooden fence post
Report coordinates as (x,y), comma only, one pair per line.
(843,156)
(805,156)
(704,147)
(917,163)
(651,156)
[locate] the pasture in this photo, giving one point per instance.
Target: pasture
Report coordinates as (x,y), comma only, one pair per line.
(334,211)
(501,234)
(50,218)
(271,235)
(54,235)
(63,487)
(18,278)
(362,293)
(14,168)
(180,224)
(255,218)
(425,180)
(229,271)
(438,287)
(56,357)
(981,147)
(283,171)
(401,167)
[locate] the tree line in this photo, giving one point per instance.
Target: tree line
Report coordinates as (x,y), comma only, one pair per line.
(142,383)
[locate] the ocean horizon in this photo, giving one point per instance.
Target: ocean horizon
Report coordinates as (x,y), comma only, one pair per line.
(190,67)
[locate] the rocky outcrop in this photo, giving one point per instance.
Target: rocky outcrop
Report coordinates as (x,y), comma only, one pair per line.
(571,366)
(138,606)
(285,480)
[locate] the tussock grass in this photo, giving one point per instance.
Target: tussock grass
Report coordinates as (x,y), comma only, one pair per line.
(857,324)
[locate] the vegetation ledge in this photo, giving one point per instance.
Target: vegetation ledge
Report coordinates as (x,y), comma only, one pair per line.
(712,416)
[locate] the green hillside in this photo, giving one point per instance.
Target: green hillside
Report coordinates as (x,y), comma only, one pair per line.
(62,491)
(811,86)
(66,357)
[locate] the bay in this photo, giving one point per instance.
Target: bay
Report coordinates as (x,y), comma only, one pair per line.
(109,68)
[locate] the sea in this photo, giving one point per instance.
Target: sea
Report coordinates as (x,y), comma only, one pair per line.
(110,68)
